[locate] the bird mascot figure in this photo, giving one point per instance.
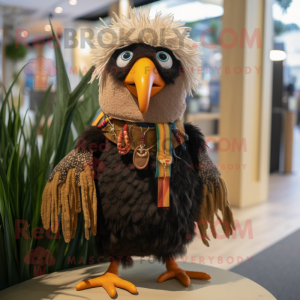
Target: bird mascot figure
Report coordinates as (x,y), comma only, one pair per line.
(141,177)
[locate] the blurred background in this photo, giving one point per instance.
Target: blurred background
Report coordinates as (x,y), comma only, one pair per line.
(248,103)
(276,27)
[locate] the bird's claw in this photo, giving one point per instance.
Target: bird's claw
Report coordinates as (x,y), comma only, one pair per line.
(109,282)
(182,275)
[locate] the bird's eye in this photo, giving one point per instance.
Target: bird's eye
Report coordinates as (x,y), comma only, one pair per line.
(124,58)
(164,59)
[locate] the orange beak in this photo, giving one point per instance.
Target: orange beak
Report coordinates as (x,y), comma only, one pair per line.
(144,81)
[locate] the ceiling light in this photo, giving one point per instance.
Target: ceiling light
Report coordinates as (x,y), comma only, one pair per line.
(48,27)
(58,10)
(187,11)
(277,55)
(218,56)
(24,33)
(73,2)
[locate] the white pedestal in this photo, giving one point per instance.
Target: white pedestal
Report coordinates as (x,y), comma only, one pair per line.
(223,285)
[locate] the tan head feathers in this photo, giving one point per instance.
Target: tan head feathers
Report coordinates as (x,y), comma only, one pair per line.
(162,31)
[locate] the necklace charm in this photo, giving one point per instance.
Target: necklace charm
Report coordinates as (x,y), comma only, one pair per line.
(165,160)
(141,158)
(141,155)
(126,149)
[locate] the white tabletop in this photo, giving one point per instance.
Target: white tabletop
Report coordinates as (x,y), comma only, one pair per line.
(223,285)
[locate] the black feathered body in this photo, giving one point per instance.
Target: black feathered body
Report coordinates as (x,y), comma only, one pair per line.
(129,221)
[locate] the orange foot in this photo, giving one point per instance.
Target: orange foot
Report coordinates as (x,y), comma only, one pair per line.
(110,280)
(184,276)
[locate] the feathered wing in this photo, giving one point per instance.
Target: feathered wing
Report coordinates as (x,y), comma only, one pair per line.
(215,199)
(73,176)
(215,203)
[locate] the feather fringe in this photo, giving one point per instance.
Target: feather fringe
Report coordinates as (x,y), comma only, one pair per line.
(143,29)
(64,198)
(213,202)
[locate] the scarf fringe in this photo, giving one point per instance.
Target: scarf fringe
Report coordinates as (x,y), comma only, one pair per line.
(213,202)
(65,198)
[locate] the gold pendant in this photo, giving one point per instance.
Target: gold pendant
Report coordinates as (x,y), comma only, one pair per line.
(141,158)
(165,159)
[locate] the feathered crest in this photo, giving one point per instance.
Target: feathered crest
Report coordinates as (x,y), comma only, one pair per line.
(139,28)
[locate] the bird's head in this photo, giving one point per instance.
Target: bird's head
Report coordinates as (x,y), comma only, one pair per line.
(145,67)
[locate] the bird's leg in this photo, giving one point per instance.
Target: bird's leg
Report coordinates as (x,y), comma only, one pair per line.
(173,271)
(110,280)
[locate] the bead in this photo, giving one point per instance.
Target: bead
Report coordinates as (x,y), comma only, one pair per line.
(186,137)
(104,122)
(124,133)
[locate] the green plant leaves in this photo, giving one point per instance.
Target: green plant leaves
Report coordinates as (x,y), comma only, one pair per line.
(26,160)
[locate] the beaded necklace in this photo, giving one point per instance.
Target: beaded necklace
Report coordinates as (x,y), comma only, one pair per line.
(141,155)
